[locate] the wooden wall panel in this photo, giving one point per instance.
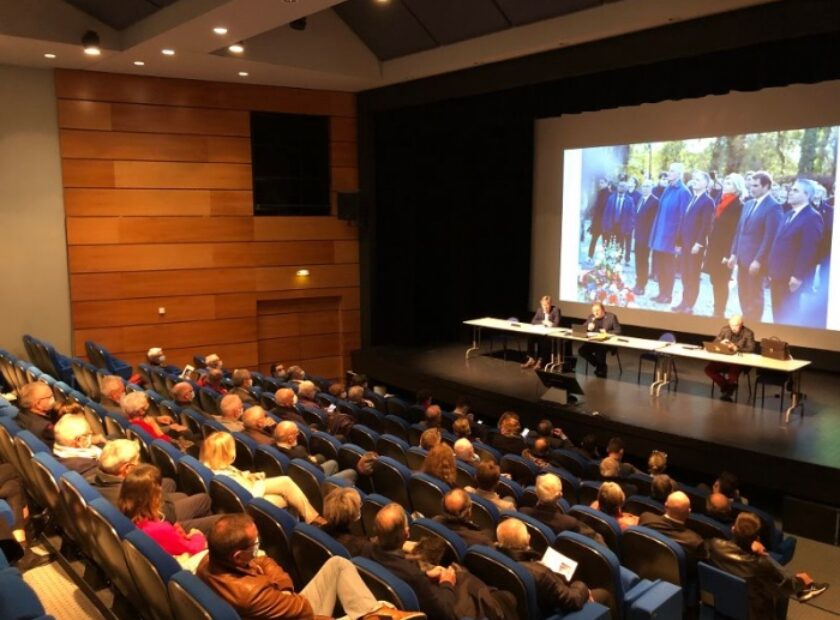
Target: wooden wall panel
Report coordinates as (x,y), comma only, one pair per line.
(157,187)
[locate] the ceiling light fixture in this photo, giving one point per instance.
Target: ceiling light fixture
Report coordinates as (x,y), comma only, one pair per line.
(49,55)
(167,52)
(220,30)
(90,41)
(139,63)
(302,273)
(236,48)
(243,74)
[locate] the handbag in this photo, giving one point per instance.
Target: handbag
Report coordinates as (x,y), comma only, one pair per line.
(775,348)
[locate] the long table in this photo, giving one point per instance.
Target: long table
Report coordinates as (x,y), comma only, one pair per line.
(663,350)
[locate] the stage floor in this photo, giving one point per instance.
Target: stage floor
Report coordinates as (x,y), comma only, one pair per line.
(699,433)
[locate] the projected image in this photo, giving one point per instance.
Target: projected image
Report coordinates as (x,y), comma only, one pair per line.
(719,226)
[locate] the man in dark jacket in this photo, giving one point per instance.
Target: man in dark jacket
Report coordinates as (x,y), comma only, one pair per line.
(457,516)
(285,409)
(36,403)
(553,591)
(738,339)
(645,213)
(242,383)
(692,239)
(768,585)
(258,426)
(549,490)
(672,524)
(604,322)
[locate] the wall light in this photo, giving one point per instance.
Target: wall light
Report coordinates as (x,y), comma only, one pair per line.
(220,30)
(139,63)
(302,273)
(167,52)
(236,48)
(90,41)
(243,74)
(49,55)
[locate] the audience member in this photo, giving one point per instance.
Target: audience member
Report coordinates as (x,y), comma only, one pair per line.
(440,463)
(231,410)
(434,417)
(465,452)
(461,428)
(141,500)
(509,438)
(719,507)
(539,454)
(554,592)
(242,383)
(430,438)
(487,476)
(423,398)
(214,362)
(435,589)
(338,390)
(672,524)
(549,489)
(218,453)
(343,514)
(213,379)
(112,389)
(296,374)
(278,371)
(286,440)
(589,447)
(727,483)
(661,486)
(258,426)
(183,394)
(615,449)
(259,589)
(657,462)
(286,400)
(555,436)
(768,585)
(73,445)
(611,502)
(135,406)
(457,516)
(306,395)
(36,414)
(356,395)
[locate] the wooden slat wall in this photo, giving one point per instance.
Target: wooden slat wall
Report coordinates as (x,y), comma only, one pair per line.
(157,194)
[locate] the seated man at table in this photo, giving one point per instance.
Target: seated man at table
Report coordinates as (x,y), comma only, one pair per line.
(603,322)
(736,338)
(547,316)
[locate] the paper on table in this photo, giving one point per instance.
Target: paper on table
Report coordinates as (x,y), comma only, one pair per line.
(559,563)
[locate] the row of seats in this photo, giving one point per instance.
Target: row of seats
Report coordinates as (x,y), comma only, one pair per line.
(18,600)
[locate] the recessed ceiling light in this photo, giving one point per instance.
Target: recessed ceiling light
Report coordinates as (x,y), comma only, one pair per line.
(167,52)
(236,48)
(220,30)
(139,63)
(243,74)
(49,55)
(90,43)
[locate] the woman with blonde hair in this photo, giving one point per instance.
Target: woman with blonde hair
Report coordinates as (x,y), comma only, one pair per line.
(218,453)
(727,215)
(440,463)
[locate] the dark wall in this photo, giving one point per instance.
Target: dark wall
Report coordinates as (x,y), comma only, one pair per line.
(446,162)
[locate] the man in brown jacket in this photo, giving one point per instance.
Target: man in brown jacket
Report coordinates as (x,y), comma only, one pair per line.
(259,589)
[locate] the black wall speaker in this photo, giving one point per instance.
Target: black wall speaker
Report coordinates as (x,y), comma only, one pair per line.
(348,206)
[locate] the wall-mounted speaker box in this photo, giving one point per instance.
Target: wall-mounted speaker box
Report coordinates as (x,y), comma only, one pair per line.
(811,520)
(348,206)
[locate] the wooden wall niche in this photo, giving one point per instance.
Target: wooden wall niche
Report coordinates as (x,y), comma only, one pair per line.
(158,204)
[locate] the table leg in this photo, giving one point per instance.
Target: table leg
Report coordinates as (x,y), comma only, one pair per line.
(476,343)
(796,400)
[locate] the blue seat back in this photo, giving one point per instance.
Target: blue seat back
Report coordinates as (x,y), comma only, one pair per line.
(498,570)
(275,526)
(312,547)
(228,496)
(722,592)
(653,555)
(152,568)
(270,460)
(391,478)
(456,546)
(426,493)
(598,566)
(385,586)
(192,599)
(193,476)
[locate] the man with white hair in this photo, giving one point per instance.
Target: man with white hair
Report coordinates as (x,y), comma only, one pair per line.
(119,457)
(672,524)
(135,406)
(242,383)
(736,338)
(231,409)
(464,451)
(183,394)
(665,229)
(73,447)
(306,395)
(258,426)
(286,440)
(156,358)
(36,410)
(549,489)
(286,400)
(793,255)
(554,592)
(112,390)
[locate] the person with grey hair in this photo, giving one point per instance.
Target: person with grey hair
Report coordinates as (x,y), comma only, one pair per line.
(457,516)
(752,242)
(306,395)
(231,410)
(73,446)
(286,440)
(183,394)
(119,457)
(465,451)
(343,513)
(112,389)
(725,222)
(213,379)
(554,592)
(549,490)
(793,255)
(258,425)
(665,231)
(135,406)
(646,209)
(242,383)
(36,410)
(693,236)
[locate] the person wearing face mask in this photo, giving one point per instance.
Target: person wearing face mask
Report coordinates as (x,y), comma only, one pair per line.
(258,588)
(286,400)
(73,447)
(286,440)
(258,426)
(155,358)
(36,413)
(231,409)
(343,508)
(242,382)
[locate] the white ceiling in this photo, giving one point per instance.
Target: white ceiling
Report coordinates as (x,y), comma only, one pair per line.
(327,55)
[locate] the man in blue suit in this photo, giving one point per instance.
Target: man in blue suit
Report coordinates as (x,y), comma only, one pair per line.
(611,222)
(645,212)
(756,230)
(691,241)
(663,234)
(793,255)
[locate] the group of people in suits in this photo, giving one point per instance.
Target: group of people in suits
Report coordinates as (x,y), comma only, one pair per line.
(734,228)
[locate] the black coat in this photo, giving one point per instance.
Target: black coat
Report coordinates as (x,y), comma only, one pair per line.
(553,591)
(720,239)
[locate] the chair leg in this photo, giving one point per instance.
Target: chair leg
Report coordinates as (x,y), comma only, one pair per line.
(713,390)
(676,376)
(639,374)
(618,359)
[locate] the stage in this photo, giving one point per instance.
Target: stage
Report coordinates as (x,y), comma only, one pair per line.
(701,435)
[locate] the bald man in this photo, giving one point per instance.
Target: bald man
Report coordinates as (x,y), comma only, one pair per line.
(553,591)
(719,508)
(258,426)
(286,399)
(231,410)
(549,490)
(183,394)
(73,445)
(672,524)
(464,451)
(738,339)
(457,516)
(435,589)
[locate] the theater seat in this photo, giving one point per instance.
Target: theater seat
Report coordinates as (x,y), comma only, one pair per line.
(722,595)
(165,456)
(522,470)
(509,488)
(228,496)
(484,512)
(193,476)
(311,548)
(192,599)
(275,526)
(245,448)
(76,495)
(638,504)
(391,478)
(499,571)
(393,447)
(415,456)
(395,425)
(324,443)
(363,436)
(18,600)
(708,527)
(569,460)
(371,505)
(271,461)
(309,478)
(455,546)
(372,419)
(426,493)
(152,568)
(385,586)
(652,555)
(542,536)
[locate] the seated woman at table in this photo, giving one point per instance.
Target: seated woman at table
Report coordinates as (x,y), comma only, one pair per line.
(547,316)
(737,338)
